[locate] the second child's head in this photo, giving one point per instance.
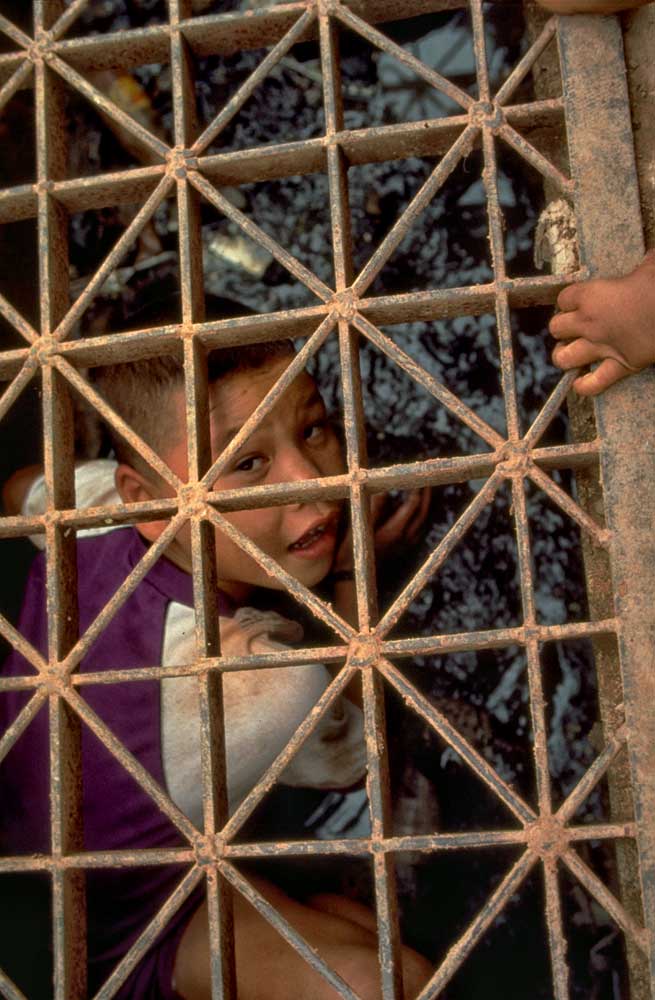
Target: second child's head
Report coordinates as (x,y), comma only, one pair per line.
(294,442)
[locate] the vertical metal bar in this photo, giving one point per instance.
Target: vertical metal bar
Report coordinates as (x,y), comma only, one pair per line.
(68,893)
(203,541)
(611,241)
(68,886)
(185,126)
(362,534)
(496,239)
(378,785)
(336,161)
(480,50)
(68,897)
(537,702)
(556,937)
(378,789)
(503,319)
(52,218)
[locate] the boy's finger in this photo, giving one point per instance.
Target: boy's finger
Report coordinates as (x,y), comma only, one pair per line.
(418,520)
(576,354)
(565,326)
(377,503)
(569,298)
(394,527)
(591,6)
(607,373)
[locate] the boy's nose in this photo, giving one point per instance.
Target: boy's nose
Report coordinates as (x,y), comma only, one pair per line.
(297,466)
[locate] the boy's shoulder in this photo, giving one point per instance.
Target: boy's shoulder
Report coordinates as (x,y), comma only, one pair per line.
(132,633)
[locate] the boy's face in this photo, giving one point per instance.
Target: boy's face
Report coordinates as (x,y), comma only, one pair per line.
(294,442)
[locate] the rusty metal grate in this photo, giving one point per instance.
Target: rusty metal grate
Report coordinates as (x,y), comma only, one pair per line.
(188,173)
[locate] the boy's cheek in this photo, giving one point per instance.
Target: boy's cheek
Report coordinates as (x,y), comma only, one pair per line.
(334,460)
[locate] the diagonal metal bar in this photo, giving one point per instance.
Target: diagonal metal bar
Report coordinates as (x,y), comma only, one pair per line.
(438,721)
(302,733)
(473,934)
(8,989)
(290,935)
(433,386)
(381,41)
(550,409)
(112,259)
(21,645)
(114,420)
(556,939)
(130,763)
(129,585)
(460,148)
(248,87)
(271,399)
(591,777)
(100,101)
(523,67)
(599,534)
(257,234)
(607,900)
(436,559)
(525,149)
(67,19)
(149,935)
(14,32)
(22,721)
(11,394)
(15,82)
(19,322)
(292,586)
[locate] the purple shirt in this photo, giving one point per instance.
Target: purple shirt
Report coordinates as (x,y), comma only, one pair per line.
(118,814)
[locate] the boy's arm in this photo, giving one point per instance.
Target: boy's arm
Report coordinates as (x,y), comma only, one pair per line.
(25,491)
(16,488)
(592,6)
(607,320)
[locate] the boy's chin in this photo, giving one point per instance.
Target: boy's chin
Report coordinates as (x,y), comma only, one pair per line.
(311,574)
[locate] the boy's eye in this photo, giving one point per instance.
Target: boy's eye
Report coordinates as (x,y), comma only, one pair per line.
(251,464)
(315,430)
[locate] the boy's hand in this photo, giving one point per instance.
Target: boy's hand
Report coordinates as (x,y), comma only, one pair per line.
(401,527)
(591,6)
(611,321)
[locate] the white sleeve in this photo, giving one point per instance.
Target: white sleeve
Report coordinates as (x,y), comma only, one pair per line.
(263,709)
(95,486)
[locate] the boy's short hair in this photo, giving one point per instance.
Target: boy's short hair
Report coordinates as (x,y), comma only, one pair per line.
(140,391)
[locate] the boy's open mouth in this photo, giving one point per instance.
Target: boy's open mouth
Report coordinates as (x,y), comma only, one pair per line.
(320,535)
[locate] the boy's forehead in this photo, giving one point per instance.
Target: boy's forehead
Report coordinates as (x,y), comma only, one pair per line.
(233,398)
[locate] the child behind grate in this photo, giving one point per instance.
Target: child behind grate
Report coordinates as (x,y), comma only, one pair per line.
(160,726)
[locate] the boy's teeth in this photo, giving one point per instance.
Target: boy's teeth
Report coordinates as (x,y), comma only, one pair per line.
(310,537)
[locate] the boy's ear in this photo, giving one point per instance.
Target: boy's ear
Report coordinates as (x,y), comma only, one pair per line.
(133,487)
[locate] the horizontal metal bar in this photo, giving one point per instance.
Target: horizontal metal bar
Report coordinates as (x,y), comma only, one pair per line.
(437,645)
(350,847)
(429,138)
(434,645)
(431,472)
